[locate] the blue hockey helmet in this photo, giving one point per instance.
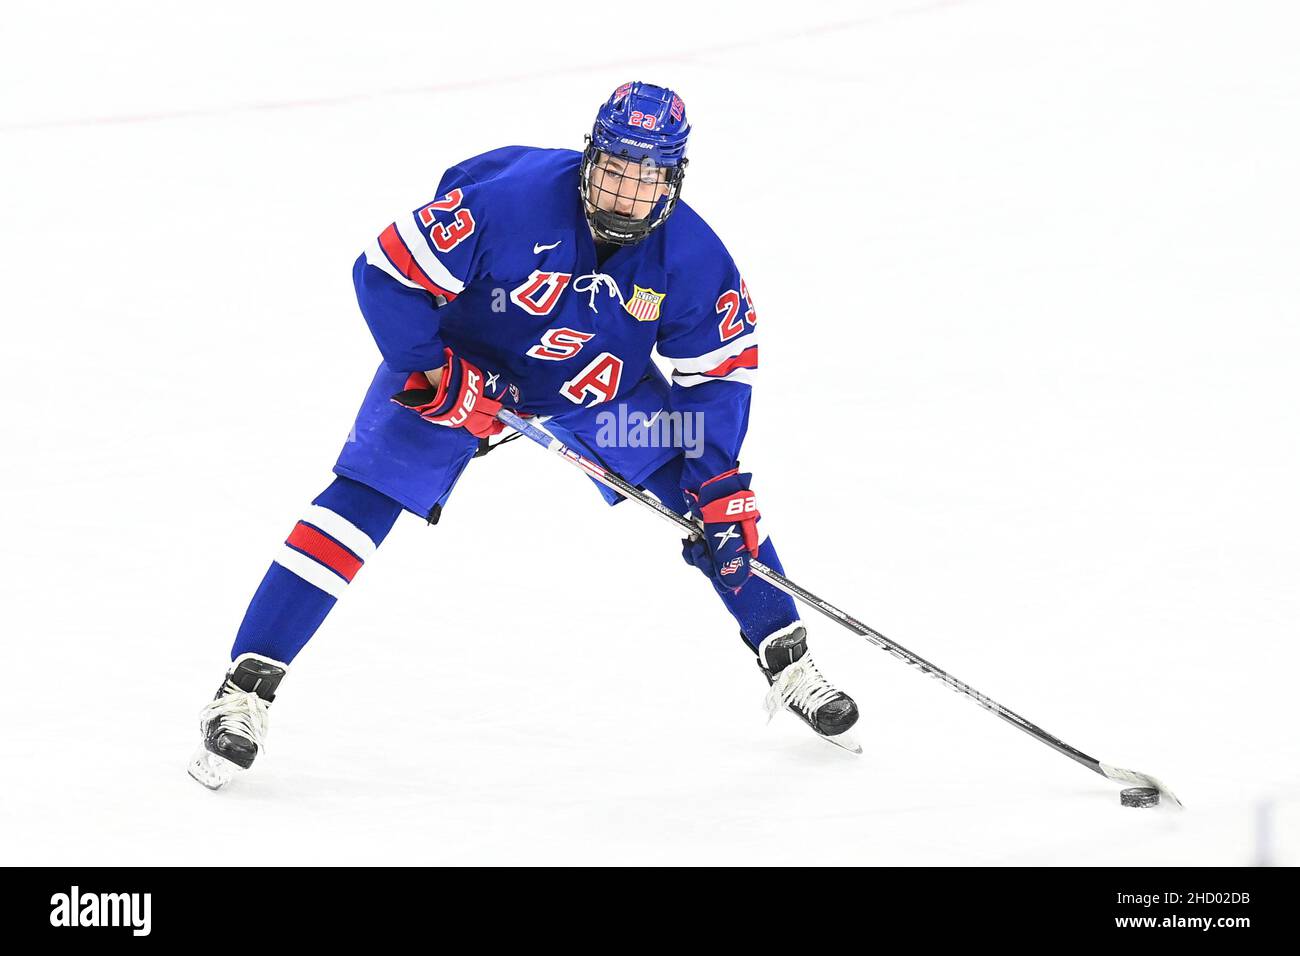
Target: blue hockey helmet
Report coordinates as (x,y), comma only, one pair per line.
(642,126)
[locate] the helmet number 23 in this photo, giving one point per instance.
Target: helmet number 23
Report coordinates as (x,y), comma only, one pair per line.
(644,120)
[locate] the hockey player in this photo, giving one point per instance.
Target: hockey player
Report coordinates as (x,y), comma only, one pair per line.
(539,280)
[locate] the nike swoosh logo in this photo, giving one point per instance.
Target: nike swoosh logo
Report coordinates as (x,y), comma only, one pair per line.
(652,418)
(538,248)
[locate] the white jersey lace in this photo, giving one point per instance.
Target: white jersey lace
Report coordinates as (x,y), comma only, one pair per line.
(593,282)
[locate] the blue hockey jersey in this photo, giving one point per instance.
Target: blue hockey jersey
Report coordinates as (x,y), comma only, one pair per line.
(502,268)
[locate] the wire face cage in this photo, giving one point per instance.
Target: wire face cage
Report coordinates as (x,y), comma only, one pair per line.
(626,197)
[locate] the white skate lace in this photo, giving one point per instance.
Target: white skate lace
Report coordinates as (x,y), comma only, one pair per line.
(593,281)
(239,712)
(800,684)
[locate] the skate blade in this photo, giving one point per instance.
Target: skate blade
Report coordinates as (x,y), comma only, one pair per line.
(210,770)
(844,741)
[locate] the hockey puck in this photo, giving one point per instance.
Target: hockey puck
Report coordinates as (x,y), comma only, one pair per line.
(1139,797)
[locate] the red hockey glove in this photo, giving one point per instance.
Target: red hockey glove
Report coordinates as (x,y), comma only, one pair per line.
(730,538)
(457,402)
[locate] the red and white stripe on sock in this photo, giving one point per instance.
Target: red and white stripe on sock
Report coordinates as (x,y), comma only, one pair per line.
(325,549)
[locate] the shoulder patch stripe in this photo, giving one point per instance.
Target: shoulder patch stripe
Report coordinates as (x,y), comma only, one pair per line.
(709,360)
(745,376)
(376,257)
(418,243)
(399,253)
(746,359)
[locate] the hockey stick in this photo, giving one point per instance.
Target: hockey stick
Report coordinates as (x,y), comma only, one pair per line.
(617,483)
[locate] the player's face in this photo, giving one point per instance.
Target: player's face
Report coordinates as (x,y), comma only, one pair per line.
(625,187)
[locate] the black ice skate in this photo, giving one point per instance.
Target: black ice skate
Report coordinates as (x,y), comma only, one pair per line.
(234,725)
(797,685)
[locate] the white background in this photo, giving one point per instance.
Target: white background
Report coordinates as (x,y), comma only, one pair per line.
(1027,279)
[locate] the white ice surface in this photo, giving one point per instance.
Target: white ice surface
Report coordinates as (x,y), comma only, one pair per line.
(1029,288)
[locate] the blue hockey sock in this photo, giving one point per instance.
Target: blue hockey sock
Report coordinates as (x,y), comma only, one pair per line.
(759,608)
(337,534)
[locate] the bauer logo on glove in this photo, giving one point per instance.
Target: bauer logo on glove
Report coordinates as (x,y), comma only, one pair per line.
(457,402)
(729,514)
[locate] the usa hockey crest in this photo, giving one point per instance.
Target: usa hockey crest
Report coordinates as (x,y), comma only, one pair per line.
(644,304)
